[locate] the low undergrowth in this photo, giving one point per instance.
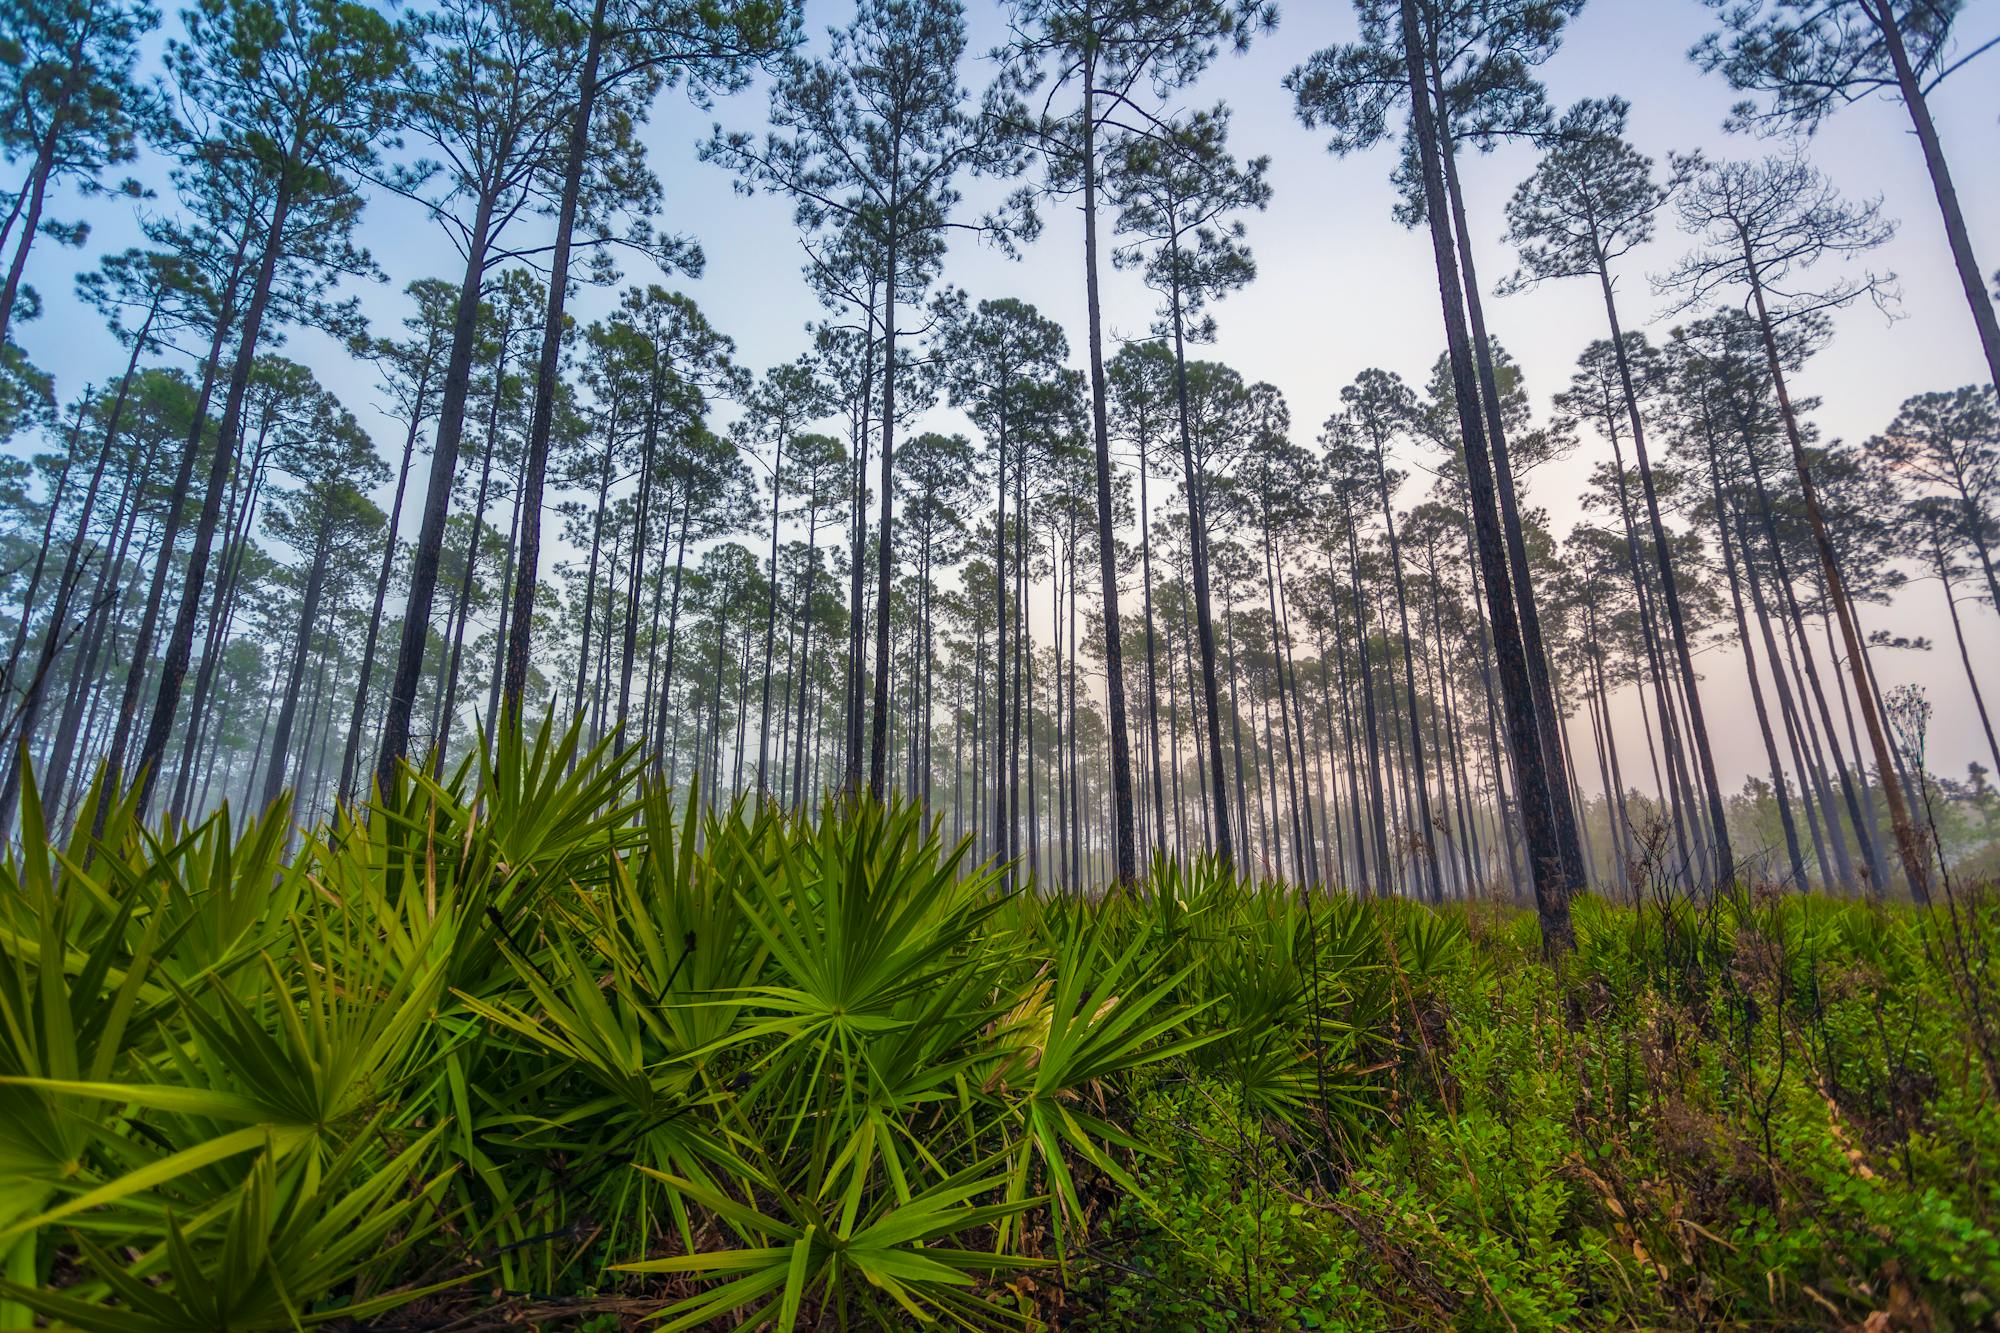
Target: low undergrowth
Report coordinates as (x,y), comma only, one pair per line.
(545,1045)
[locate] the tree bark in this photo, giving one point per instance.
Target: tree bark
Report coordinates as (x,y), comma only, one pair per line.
(395,743)
(38,187)
(850,782)
(180,643)
(1198,566)
(1436,878)
(1778,793)
(541,425)
(878,731)
(1548,719)
(1545,856)
(1909,848)
(274,775)
(1970,276)
(1718,818)
(1125,859)
(770,618)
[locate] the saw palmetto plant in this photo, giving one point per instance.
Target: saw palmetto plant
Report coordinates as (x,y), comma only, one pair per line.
(546,1032)
(545,1043)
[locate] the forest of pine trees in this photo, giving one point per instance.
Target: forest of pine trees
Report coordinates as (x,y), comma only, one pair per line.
(1132,607)
(699,665)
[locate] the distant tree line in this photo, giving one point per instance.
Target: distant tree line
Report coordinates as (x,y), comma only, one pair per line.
(1138,611)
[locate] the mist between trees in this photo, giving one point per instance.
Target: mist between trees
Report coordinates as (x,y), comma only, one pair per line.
(1138,611)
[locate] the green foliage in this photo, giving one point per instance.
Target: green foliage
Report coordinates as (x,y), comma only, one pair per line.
(547,1037)
(544,1031)
(1746,1112)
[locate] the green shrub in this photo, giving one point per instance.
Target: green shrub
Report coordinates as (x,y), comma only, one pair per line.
(547,1038)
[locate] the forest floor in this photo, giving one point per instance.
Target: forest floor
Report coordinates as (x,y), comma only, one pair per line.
(1760,1112)
(566,1051)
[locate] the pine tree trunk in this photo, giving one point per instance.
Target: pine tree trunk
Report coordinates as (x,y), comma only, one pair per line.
(1198,564)
(57,494)
(448,707)
(1544,854)
(99,627)
(508,565)
(37,192)
(1718,818)
(770,621)
(274,777)
(220,614)
(1970,276)
(674,610)
(850,782)
(1941,566)
(1548,720)
(885,563)
(180,642)
(1425,830)
(351,751)
(1284,713)
(1674,791)
(541,424)
(1152,685)
(57,631)
(141,662)
(635,572)
(1125,859)
(395,742)
(1378,812)
(1778,794)
(1001,849)
(1797,642)
(804,668)
(1908,846)
(1291,666)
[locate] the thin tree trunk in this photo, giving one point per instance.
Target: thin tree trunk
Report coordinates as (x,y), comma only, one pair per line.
(1970,276)
(541,424)
(274,776)
(141,664)
(770,620)
(38,188)
(1125,858)
(1530,761)
(1943,564)
(1548,723)
(885,563)
(1152,686)
(850,783)
(1425,831)
(57,494)
(1725,860)
(221,613)
(180,642)
(87,688)
(1908,846)
(508,565)
(804,669)
(56,632)
(674,607)
(1796,631)
(395,741)
(351,751)
(1778,793)
(1198,565)
(467,578)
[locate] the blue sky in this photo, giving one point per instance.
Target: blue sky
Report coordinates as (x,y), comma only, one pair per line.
(1342,286)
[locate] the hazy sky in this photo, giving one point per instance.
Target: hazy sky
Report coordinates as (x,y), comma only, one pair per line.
(1341,286)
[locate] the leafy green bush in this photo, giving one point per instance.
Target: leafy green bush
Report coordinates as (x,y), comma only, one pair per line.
(548,1038)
